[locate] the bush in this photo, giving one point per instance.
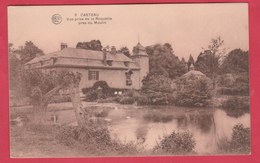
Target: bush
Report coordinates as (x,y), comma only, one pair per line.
(234,84)
(143,100)
(94,138)
(195,92)
(127,100)
(177,143)
(240,141)
(156,117)
(236,106)
(157,98)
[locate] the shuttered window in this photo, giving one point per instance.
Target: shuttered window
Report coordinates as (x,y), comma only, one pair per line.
(93,75)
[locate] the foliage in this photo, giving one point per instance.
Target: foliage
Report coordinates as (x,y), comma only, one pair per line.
(32,79)
(15,69)
(190,62)
(235,106)
(91,45)
(162,61)
(157,117)
(28,52)
(94,138)
(158,97)
(95,93)
(195,92)
(240,141)
(233,84)
(237,61)
(207,63)
(209,60)
(126,100)
(125,51)
(157,83)
(177,143)
(143,100)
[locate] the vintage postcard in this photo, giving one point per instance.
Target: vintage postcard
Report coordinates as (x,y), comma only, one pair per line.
(129,80)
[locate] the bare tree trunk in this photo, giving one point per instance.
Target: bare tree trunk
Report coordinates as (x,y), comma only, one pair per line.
(40,104)
(39,113)
(81,114)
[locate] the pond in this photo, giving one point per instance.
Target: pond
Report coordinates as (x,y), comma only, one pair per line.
(139,124)
(208,126)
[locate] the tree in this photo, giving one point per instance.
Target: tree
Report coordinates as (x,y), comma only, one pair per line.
(193,89)
(190,62)
(125,51)
(208,61)
(162,61)
(41,87)
(91,45)
(237,61)
(28,52)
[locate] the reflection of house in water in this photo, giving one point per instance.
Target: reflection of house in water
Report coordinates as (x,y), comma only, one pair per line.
(118,70)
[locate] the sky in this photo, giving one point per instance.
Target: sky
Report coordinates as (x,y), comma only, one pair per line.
(187,27)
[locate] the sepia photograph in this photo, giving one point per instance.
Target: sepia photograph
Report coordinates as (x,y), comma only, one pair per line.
(129,80)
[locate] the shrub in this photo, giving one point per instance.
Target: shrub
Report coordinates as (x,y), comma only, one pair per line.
(143,100)
(240,141)
(91,95)
(177,143)
(195,92)
(234,84)
(127,100)
(94,138)
(235,106)
(157,98)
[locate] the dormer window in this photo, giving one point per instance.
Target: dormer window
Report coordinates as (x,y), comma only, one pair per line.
(126,63)
(109,62)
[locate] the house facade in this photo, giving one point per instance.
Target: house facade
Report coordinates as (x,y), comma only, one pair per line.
(118,70)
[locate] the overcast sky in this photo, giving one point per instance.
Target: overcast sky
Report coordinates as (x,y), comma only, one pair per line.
(187,27)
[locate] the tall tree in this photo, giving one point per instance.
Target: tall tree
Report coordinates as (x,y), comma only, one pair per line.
(208,61)
(91,45)
(162,61)
(28,51)
(236,61)
(190,62)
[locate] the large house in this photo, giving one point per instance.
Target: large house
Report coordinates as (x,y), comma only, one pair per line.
(118,70)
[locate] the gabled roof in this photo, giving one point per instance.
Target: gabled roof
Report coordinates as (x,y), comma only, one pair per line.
(74,57)
(81,54)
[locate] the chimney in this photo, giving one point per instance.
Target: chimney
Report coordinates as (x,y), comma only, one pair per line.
(113,50)
(104,56)
(63,46)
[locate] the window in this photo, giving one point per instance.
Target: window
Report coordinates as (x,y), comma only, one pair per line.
(109,62)
(126,63)
(93,75)
(128,77)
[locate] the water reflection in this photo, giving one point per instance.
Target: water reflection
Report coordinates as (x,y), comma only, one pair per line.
(208,128)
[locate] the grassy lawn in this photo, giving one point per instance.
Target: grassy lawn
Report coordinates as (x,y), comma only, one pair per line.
(29,141)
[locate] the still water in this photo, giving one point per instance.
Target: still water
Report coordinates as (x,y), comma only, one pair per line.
(207,126)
